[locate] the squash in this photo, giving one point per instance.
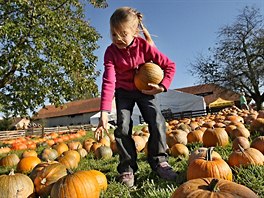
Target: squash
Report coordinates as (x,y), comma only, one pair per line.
(49,154)
(16,185)
(148,73)
(9,160)
(103,152)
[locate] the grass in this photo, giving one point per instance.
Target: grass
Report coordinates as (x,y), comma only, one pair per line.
(148,184)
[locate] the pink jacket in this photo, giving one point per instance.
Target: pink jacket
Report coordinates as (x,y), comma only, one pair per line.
(121,64)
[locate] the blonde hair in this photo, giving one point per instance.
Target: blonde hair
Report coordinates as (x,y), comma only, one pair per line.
(126,15)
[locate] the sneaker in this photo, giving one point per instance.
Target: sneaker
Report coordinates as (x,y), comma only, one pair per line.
(165,171)
(127,178)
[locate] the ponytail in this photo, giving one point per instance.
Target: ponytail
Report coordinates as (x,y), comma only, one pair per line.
(144,30)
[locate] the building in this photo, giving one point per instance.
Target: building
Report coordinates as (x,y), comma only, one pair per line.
(211,92)
(72,113)
(79,112)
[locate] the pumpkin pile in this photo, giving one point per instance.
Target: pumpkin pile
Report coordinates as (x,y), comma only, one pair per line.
(36,174)
(48,164)
(208,175)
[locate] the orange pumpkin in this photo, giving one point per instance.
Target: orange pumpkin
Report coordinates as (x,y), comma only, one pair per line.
(242,141)
(213,188)
(195,136)
(28,153)
(179,150)
(258,143)
(60,147)
(140,143)
(209,167)
(75,185)
(74,145)
(100,177)
(245,157)
(215,137)
(74,154)
(201,153)
(47,177)
(148,73)
(27,164)
(69,161)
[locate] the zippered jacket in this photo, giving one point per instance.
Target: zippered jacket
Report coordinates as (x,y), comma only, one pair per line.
(120,66)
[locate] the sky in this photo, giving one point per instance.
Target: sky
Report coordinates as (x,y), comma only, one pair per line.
(181,29)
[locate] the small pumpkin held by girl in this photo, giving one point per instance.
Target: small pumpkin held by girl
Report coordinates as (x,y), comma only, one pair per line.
(122,58)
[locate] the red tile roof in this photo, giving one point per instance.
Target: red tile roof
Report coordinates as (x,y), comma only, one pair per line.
(211,92)
(71,108)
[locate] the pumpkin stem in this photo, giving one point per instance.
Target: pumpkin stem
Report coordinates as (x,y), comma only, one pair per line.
(12,172)
(209,152)
(241,148)
(213,185)
(43,181)
(70,171)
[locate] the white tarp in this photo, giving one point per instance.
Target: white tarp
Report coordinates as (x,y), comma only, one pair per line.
(174,100)
(179,101)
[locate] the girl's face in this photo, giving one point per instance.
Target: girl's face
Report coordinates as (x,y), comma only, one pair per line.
(123,38)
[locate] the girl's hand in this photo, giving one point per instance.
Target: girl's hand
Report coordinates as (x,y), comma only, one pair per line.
(102,126)
(155,89)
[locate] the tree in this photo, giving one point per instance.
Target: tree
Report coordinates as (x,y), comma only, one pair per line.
(46,53)
(6,123)
(237,60)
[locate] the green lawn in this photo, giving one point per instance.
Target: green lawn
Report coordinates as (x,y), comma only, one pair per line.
(148,185)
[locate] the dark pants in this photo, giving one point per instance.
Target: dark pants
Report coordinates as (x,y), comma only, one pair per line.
(150,111)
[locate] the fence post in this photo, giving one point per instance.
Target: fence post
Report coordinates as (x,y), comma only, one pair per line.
(42,131)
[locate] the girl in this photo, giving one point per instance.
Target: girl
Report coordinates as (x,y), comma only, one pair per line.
(121,60)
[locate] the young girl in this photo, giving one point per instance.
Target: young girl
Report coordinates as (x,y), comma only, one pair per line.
(121,60)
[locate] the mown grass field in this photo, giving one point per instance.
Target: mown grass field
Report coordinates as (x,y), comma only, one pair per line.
(147,184)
